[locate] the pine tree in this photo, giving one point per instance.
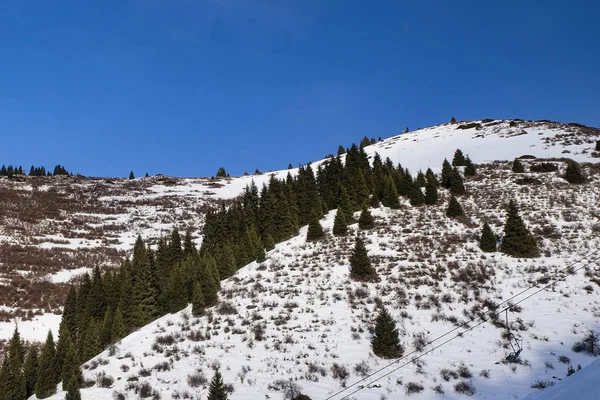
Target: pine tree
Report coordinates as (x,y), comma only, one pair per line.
(92,346)
(385,342)
(221,173)
(470,169)
(487,240)
(390,197)
(315,231)
(73,389)
(417,198)
(69,316)
(197,301)
(48,373)
(459,159)
(131,175)
(361,264)
(70,366)
(216,391)
(454,209)
(517,240)
(457,186)
(366,220)
(269,243)
(30,370)
(431,192)
(62,345)
(421,180)
(344,205)
(573,173)
(597,145)
(517,166)
(339,224)
(452,120)
(118,330)
(14,385)
(446,174)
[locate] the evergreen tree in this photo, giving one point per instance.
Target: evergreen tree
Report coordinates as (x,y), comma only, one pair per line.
(431,192)
(470,169)
(62,345)
(344,205)
(118,330)
(361,264)
(209,280)
(446,174)
(198,301)
(452,120)
(457,186)
(69,316)
(459,159)
(92,346)
(5,379)
(339,223)
(70,366)
(597,145)
(517,166)
(73,389)
(390,196)
(131,175)
(48,372)
(315,231)
(14,385)
(421,180)
(221,173)
(573,173)
(30,370)
(385,342)
(366,220)
(487,240)
(269,243)
(216,391)
(454,209)
(417,198)
(517,240)
(341,150)
(261,256)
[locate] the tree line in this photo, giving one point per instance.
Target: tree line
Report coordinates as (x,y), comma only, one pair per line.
(13,170)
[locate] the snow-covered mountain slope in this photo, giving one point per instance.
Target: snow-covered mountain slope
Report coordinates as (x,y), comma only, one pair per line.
(298,316)
(581,386)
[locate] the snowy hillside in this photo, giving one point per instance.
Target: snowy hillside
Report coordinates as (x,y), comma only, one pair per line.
(298,316)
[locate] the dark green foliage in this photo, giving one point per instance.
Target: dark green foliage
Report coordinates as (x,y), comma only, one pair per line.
(454,208)
(421,179)
(62,345)
(470,169)
(431,192)
(345,206)
(221,173)
(446,174)
(12,379)
(339,224)
(48,372)
(457,186)
(198,301)
(487,240)
(459,159)
(385,342)
(417,198)
(73,389)
(69,317)
(452,120)
(517,166)
(30,370)
(573,173)
(366,220)
(216,391)
(118,330)
(390,196)
(341,150)
(269,243)
(361,264)
(131,175)
(70,366)
(60,170)
(517,240)
(597,145)
(92,344)
(315,231)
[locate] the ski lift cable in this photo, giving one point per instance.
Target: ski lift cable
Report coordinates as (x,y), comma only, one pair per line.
(489,313)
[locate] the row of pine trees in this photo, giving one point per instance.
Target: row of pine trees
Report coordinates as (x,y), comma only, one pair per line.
(12,170)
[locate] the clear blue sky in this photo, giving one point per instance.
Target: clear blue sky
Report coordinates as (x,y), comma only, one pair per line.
(181,87)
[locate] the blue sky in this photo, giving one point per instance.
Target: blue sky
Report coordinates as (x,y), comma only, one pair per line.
(182,87)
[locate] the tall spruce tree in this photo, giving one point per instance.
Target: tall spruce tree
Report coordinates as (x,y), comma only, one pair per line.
(385,342)
(470,169)
(73,392)
(573,173)
(216,390)
(366,220)
(70,366)
(454,209)
(457,186)
(459,159)
(315,231)
(30,370)
(597,145)
(487,240)
(198,301)
(48,372)
(118,330)
(446,174)
(339,224)
(361,264)
(431,192)
(517,240)
(417,198)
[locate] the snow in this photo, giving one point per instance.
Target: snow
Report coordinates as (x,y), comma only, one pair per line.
(34,330)
(582,385)
(67,275)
